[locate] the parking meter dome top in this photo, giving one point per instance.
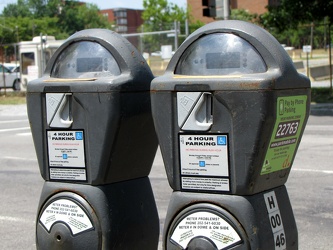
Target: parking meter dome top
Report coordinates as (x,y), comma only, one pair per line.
(231,55)
(85,59)
(97,53)
(259,45)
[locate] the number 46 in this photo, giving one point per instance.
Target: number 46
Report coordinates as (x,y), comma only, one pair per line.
(280,241)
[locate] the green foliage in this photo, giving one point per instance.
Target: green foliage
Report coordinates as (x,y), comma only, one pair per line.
(291,21)
(292,13)
(321,95)
(159,15)
(28,18)
(240,14)
(20,9)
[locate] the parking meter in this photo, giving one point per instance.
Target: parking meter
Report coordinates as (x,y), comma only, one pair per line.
(92,127)
(229,113)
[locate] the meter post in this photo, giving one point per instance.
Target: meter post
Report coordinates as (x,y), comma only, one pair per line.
(229,113)
(94,136)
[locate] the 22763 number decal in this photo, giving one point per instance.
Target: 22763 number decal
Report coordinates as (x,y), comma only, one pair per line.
(286,129)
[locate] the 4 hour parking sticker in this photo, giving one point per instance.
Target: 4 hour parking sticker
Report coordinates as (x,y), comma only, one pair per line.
(204,163)
(66,155)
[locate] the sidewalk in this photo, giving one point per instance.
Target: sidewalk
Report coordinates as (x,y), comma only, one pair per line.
(13,110)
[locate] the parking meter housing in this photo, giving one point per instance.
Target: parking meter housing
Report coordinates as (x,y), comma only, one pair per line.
(91,122)
(104,88)
(230,111)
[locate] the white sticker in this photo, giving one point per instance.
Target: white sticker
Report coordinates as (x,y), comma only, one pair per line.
(205,224)
(66,148)
(202,156)
(213,184)
(275,220)
(76,174)
(68,212)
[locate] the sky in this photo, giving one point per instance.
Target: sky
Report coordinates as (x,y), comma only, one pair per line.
(109,4)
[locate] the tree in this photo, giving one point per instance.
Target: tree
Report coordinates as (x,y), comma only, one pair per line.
(159,15)
(53,17)
(20,9)
(291,21)
(291,13)
(241,14)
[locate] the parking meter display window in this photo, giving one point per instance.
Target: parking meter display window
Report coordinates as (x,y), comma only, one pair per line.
(232,55)
(85,60)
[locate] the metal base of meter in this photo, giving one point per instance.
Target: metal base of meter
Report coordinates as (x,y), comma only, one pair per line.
(213,221)
(115,216)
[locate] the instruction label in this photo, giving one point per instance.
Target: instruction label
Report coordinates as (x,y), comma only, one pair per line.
(205,224)
(290,116)
(68,212)
(213,184)
(203,156)
(76,174)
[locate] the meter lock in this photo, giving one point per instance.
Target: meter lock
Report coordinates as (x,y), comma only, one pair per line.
(194,110)
(58,110)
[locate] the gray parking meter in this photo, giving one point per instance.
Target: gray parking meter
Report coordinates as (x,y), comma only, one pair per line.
(234,110)
(92,127)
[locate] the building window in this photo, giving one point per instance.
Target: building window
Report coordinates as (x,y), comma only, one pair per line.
(120,13)
(121,29)
(122,21)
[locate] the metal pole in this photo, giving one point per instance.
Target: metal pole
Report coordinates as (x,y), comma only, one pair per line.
(226,9)
(186,28)
(3,70)
(330,55)
(311,42)
(176,35)
(307,64)
(41,56)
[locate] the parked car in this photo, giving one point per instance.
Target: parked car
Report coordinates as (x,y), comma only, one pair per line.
(13,67)
(10,76)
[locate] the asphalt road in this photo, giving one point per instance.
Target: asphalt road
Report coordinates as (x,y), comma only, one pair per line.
(310,185)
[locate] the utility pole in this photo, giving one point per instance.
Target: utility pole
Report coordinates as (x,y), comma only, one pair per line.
(226,10)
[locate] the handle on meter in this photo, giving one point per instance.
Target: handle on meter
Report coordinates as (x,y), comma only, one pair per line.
(200,117)
(58,107)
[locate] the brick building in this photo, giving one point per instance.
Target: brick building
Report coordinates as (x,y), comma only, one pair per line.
(125,21)
(252,6)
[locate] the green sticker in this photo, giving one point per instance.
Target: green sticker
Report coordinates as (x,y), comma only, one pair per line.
(290,115)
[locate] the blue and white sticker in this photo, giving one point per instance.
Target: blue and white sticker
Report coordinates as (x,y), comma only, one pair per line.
(203,156)
(66,155)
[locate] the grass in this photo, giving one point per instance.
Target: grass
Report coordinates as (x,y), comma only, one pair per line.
(318,95)
(11,97)
(321,95)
